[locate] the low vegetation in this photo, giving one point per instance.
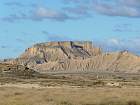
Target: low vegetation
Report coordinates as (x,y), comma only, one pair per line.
(69,96)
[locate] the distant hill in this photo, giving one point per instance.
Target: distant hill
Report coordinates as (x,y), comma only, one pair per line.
(76,55)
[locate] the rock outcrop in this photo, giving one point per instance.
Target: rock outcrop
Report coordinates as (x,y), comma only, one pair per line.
(57,51)
(79,55)
(9,70)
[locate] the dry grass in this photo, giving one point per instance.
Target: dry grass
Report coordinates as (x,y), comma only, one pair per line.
(76,89)
(70,96)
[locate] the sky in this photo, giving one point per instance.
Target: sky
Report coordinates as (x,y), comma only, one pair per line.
(113,25)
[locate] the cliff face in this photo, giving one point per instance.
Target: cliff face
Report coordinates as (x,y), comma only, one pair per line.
(79,55)
(62,50)
(57,51)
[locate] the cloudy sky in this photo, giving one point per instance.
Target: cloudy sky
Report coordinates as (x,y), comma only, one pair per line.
(111,24)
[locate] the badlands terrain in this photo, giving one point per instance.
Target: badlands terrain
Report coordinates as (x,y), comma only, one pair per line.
(70,73)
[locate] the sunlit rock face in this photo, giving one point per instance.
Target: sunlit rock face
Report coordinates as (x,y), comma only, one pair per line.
(77,56)
(65,49)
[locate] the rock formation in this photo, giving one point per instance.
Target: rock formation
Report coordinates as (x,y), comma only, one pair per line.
(9,70)
(113,62)
(57,51)
(76,55)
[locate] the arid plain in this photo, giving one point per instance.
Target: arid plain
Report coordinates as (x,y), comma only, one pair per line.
(70,73)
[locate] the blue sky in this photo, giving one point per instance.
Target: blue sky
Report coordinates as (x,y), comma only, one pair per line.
(111,24)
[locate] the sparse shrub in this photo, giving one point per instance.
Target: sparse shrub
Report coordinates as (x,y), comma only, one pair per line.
(18,93)
(99,82)
(123,79)
(65,103)
(88,104)
(132,103)
(49,100)
(118,103)
(135,78)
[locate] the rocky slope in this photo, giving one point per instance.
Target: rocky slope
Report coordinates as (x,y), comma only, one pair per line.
(113,62)
(79,55)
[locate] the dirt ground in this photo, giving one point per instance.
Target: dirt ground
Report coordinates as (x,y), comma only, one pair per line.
(71,89)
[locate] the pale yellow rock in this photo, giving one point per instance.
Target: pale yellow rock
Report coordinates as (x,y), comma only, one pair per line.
(77,55)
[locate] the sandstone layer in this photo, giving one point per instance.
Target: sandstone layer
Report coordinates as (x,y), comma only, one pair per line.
(77,56)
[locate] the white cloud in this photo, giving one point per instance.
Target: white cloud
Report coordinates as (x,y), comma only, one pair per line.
(38,14)
(118,9)
(135,3)
(41,13)
(124,8)
(77,10)
(114,41)
(120,44)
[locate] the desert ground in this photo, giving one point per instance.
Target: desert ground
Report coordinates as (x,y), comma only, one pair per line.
(61,88)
